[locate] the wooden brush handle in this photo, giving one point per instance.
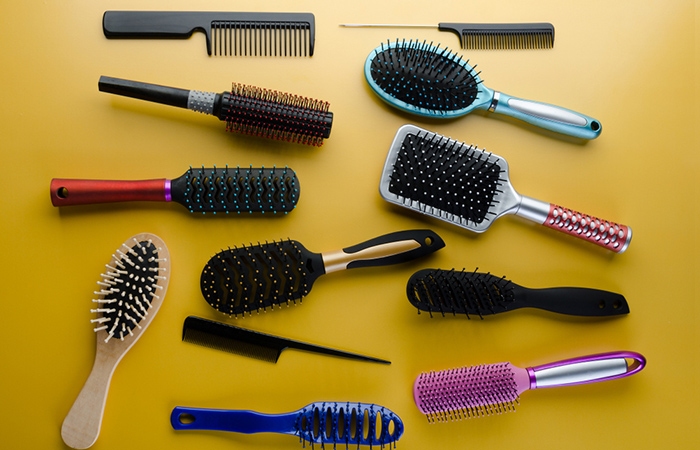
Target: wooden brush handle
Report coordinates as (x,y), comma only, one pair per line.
(82,424)
(65,192)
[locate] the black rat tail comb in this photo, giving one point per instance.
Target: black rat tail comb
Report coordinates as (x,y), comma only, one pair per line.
(481,294)
(203,190)
(245,109)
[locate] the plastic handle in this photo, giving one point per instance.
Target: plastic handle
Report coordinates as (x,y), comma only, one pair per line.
(587,369)
(65,192)
(145,91)
(392,248)
(550,117)
(238,421)
(611,235)
(574,301)
(152,24)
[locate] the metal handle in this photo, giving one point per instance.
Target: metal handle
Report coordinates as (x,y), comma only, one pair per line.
(586,369)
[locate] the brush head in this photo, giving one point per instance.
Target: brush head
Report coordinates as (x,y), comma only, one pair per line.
(237,190)
(423,79)
(275,115)
(132,289)
(348,423)
(447,179)
(255,277)
(459,292)
(468,392)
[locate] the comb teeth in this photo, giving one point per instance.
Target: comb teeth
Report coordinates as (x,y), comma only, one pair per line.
(511,39)
(276,115)
(223,343)
(255,38)
(455,181)
(467,392)
(247,279)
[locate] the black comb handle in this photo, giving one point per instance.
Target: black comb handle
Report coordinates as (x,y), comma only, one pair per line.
(145,91)
(572,301)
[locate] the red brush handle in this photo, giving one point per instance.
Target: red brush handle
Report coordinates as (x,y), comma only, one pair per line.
(66,192)
(611,235)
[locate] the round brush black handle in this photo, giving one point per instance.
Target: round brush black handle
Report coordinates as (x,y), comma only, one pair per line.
(145,91)
(573,301)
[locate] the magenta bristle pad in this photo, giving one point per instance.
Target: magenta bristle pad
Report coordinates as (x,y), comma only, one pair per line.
(468,392)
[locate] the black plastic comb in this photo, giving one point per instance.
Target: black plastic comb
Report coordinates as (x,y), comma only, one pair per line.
(227,33)
(245,109)
(246,279)
(201,190)
(481,294)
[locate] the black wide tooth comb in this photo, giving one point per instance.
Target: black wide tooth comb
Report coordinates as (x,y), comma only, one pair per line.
(246,279)
(202,190)
(481,294)
(245,109)
(227,33)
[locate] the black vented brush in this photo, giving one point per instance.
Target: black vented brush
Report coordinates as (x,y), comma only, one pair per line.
(245,109)
(227,33)
(246,279)
(481,294)
(228,190)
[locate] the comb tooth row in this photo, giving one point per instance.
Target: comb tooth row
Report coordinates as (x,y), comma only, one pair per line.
(514,40)
(241,190)
(127,290)
(225,344)
(276,115)
(452,180)
(240,280)
(461,293)
(244,38)
(466,392)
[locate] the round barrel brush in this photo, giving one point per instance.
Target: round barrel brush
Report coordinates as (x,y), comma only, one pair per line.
(202,190)
(245,109)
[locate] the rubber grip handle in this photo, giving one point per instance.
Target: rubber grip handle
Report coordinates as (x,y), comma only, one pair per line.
(237,421)
(145,91)
(574,301)
(586,369)
(66,192)
(611,235)
(549,117)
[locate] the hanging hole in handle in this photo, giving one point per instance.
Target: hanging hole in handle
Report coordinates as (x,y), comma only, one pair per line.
(601,304)
(186,419)
(62,192)
(595,126)
(429,241)
(617,304)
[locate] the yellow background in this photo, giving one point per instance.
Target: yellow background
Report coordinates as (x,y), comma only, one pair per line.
(632,65)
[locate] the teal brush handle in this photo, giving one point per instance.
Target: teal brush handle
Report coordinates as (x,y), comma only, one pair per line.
(543,115)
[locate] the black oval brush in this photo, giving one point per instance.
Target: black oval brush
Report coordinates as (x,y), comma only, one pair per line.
(481,294)
(246,279)
(239,190)
(245,109)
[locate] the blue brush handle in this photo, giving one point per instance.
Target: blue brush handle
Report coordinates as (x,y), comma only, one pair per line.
(238,421)
(543,115)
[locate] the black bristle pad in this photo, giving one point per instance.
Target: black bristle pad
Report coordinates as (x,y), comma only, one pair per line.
(451,177)
(255,277)
(128,287)
(425,77)
(237,190)
(246,38)
(276,115)
(459,292)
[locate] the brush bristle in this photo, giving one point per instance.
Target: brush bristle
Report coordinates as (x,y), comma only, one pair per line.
(438,176)
(252,278)
(237,190)
(459,292)
(425,77)
(276,115)
(127,289)
(467,392)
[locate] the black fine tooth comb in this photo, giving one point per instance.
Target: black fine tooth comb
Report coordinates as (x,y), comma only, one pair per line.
(254,344)
(480,294)
(490,36)
(227,33)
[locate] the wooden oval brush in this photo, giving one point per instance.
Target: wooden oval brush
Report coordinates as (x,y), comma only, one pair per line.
(469,187)
(245,109)
(201,190)
(246,279)
(481,294)
(132,290)
(426,80)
